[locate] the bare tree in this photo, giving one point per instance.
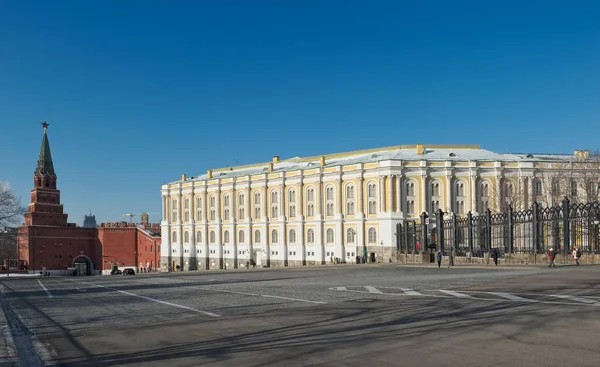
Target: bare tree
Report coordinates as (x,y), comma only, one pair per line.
(508,192)
(11,215)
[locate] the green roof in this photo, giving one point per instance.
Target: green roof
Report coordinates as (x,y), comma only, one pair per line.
(45,165)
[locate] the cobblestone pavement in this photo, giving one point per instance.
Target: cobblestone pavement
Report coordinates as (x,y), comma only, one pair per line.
(377,315)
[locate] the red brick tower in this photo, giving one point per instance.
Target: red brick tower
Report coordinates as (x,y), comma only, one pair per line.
(45,208)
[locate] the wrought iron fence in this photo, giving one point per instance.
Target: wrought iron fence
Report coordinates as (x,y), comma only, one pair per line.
(535,230)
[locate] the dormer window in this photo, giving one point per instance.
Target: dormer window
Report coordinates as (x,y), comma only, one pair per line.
(452,155)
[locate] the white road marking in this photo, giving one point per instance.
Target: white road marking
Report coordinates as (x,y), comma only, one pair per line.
(512,297)
(457,294)
(576,299)
(411,292)
(338,289)
(157,300)
(372,289)
(46,290)
(253,294)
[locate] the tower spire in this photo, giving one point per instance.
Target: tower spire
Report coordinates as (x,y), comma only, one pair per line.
(45,165)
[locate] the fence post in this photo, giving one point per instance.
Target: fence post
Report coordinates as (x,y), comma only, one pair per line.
(455,234)
(424,246)
(439,218)
(566,226)
(414,234)
(470,232)
(398,235)
(406,236)
(535,227)
(488,230)
(510,237)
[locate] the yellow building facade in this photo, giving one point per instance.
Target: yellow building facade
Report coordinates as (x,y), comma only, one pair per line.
(305,211)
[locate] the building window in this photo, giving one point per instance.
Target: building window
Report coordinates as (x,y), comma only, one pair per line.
(537,187)
(292,204)
(241,206)
(329,201)
(329,235)
(198,237)
(484,198)
(372,198)
(274,204)
(241,236)
(257,236)
(292,236)
(174,237)
(351,235)
(212,236)
(186,212)
(274,236)
(199,209)
(460,198)
(350,200)
(257,205)
(372,235)
(226,237)
(212,208)
(310,205)
(174,210)
(186,237)
(226,207)
(410,188)
(310,236)
(573,189)
(434,193)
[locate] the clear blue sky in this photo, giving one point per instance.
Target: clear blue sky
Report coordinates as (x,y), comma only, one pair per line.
(139,92)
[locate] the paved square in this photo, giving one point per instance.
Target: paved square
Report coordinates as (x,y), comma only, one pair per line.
(344,315)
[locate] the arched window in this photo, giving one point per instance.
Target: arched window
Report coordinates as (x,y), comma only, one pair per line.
(174,210)
(434,197)
(174,237)
(310,236)
(329,235)
(186,237)
(329,201)
(198,237)
(410,198)
(199,208)
(460,197)
(226,237)
(292,236)
(372,199)
(186,211)
(350,192)
(257,236)
(350,235)
(212,210)
(257,205)
(292,203)
(241,206)
(274,204)
(241,237)
(274,236)
(225,207)
(310,202)
(212,236)
(484,198)
(372,235)
(350,200)
(537,187)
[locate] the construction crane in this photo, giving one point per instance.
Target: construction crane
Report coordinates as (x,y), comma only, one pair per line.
(130,215)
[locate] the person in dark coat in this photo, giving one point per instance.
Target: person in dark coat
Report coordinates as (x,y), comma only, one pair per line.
(495,256)
(552,257)
(438,258)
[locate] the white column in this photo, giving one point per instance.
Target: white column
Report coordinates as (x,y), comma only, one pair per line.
(530,192)
(449,198)
(339,245)
(359,198)
(319,232)
(282,228)
(498,191)
(389,198)
(218,236)
(473,193)
(398,194)
(382,194)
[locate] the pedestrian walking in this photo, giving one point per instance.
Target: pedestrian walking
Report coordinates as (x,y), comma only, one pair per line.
(438,258)
(552,257)
(576,255)
(495,256)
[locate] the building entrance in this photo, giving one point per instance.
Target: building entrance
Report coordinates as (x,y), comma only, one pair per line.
(82,265)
